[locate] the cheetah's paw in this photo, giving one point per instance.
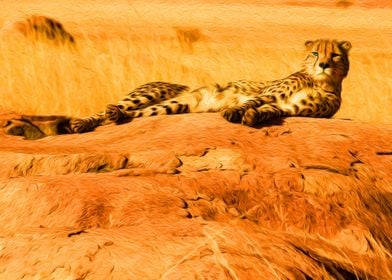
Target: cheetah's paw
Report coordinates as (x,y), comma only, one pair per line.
(250,117)
(80,126)
(115,114)
(233,114)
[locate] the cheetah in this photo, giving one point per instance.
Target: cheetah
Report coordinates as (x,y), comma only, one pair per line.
(313,91)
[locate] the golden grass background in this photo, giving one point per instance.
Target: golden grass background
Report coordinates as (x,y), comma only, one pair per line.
(123,44)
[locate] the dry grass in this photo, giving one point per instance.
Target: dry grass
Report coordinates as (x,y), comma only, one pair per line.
(40,28)
(125,44)
(187,37)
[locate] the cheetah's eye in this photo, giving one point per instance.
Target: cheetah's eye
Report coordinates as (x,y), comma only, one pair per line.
(315,53)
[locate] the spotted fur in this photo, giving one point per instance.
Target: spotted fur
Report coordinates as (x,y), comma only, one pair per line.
(314,91)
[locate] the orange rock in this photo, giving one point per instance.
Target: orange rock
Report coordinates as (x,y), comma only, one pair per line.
(188,196)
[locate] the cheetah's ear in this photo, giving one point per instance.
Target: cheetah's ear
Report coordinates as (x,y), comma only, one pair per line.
(309,44)
(345,45)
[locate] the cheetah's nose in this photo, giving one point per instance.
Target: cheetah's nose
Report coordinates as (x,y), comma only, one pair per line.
(324,65)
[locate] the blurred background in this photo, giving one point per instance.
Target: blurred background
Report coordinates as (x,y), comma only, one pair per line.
(123,44)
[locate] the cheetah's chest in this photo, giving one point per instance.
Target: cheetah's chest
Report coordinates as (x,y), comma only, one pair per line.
(299,98)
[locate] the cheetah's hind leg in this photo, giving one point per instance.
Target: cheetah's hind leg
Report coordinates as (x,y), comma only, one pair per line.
(115,113)
(144,96)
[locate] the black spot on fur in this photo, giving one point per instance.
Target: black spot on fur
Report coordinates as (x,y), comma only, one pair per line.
(135,101)
(179,88)
(149,97)
(154,113)
(168,110)
(186,108)
(173,101)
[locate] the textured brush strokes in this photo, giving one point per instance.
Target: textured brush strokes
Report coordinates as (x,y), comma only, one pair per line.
(194,196)
(123,45)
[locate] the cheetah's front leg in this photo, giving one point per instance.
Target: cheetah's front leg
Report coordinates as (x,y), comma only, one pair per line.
(235,114)
(266,112)
(245,111)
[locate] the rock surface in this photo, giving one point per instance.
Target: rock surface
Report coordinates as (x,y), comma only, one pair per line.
(196,197)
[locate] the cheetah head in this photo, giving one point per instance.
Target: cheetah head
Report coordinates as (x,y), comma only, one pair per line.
(327,60)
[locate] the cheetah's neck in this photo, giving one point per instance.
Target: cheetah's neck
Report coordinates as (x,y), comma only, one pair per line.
(328,85)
